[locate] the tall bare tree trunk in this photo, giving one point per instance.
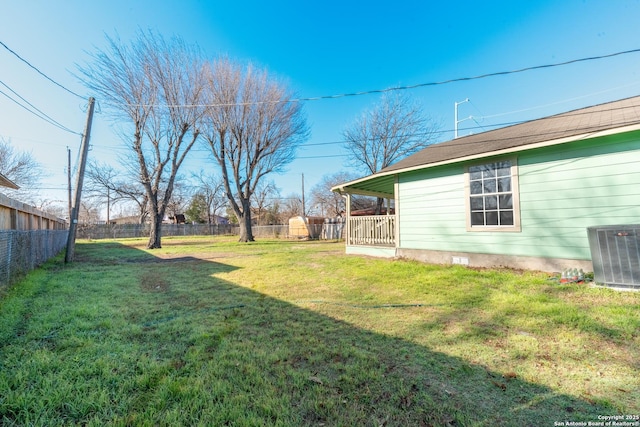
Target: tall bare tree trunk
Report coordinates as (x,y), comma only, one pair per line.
(244,220)
(379,205)
(155,234)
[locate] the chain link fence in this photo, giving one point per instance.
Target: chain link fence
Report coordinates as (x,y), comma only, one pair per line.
(22,251)
(124,231)
(327,231)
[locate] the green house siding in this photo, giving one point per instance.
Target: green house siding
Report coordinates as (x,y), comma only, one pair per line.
(563,190)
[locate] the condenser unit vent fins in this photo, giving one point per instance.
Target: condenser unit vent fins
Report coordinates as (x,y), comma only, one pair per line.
(615,253)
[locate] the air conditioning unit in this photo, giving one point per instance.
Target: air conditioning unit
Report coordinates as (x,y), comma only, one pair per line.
(615,253)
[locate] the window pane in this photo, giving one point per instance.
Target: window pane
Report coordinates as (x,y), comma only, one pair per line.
(476,203)
(475,172)
(491,202)
(476,187)
(489,186)
(504,185)
(488,171)
(506,218)
(477,218)
(506,201)
(492,218)
(503,168)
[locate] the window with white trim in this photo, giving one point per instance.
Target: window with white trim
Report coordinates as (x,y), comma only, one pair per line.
(492,202)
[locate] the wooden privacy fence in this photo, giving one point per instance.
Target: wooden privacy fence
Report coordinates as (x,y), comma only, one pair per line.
(15,215)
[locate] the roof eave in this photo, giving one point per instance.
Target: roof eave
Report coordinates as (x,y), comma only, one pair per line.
(511,150)
(6,182)
(343,188)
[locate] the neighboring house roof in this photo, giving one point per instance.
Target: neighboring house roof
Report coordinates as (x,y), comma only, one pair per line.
(6,182)
(612,117)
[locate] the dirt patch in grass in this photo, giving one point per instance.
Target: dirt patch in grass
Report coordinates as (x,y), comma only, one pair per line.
(154,282)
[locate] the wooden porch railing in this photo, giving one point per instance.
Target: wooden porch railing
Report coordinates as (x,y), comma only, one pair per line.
(373,230)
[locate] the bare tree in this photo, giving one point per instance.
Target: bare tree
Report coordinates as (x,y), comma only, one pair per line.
(395,128)
(273,214)
(22,169)
(139,197)
(291,206)
(252,130)
(55,208)
(112,187)
(324,200)
(155,86)
(264,197)
(211,188)
(89,213)
(179,201)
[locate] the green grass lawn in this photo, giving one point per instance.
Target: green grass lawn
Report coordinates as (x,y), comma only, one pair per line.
(207,331)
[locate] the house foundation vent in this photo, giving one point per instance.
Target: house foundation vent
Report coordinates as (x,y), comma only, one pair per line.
(615,253)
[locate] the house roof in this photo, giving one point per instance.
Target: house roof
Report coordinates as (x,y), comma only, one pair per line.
(6,182)
(612,117)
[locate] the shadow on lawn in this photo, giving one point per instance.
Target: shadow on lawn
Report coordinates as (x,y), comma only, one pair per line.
(279,363)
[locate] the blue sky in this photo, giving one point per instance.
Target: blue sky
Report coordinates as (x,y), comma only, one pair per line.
(328,48)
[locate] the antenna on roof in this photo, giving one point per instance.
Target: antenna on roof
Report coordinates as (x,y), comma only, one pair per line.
(456,121)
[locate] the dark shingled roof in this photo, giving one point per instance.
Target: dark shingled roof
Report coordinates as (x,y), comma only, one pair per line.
(565,127)
(572,124)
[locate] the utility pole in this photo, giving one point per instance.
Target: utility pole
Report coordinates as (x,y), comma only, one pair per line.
(455,115)
(69,180)
(108,205)
(84,150)
(303,209)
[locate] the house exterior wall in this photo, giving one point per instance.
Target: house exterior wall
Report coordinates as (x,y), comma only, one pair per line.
(563,190)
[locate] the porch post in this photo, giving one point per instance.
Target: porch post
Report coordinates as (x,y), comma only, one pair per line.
(347,226)
(396,188)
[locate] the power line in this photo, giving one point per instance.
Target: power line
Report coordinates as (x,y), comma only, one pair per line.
(51,144)
(40,72)
(460,141)
(575,113)
(42,115)
(398,88)
(58,125)
(560,102)
(481,76)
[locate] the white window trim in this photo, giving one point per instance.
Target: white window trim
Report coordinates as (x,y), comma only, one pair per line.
(515,192)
